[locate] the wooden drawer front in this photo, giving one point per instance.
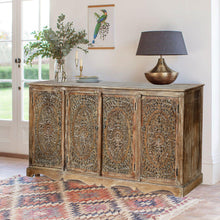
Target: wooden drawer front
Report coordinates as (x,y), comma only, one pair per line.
(118,128)
(159,134)
(47,128)
(82,122)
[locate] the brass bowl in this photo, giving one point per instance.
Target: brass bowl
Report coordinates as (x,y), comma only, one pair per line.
(161,78)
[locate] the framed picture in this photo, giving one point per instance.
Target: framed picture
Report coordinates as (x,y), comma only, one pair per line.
(101,26)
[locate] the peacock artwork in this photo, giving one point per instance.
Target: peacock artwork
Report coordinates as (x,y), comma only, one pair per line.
(101,26)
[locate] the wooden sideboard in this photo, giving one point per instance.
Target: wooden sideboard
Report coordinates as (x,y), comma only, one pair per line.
(135,134)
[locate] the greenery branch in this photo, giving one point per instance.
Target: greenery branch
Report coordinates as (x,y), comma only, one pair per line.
(55,44)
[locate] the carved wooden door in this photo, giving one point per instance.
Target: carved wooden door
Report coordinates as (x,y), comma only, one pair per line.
(118,156)
(159,138)
(46,128)
(83,148)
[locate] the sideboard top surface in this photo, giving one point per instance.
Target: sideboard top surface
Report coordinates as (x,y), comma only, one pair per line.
(120,85)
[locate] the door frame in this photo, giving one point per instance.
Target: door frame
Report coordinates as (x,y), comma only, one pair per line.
(15,132)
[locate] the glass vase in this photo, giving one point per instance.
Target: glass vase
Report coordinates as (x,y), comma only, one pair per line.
(59,72)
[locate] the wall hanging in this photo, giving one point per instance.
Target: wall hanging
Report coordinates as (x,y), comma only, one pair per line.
(101,26)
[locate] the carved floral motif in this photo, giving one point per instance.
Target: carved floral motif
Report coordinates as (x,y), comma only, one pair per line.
(83,122)
(159,117)
(47,128)
(118,119)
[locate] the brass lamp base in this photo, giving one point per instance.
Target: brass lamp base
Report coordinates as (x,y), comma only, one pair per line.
(161,74)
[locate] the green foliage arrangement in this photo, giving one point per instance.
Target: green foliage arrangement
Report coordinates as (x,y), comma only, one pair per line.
(55,44)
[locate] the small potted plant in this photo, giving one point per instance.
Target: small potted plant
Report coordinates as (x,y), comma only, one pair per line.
(56,44)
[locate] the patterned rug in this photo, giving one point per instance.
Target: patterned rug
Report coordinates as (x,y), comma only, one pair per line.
(37,198)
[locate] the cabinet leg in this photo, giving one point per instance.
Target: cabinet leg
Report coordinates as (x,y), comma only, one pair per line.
(29,172)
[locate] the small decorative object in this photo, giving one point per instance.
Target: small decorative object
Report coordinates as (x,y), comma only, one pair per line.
(81,77)
(161,43)
(77,64)
(81,68)
(56,45)
(101,26)
(64,76)
(77,59)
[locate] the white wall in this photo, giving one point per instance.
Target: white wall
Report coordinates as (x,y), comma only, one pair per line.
(215,90)
(193,18)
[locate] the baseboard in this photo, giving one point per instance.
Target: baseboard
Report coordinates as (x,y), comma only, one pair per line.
(216,173)
(20,156)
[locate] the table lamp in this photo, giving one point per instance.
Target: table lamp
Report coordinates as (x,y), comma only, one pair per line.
(161,43)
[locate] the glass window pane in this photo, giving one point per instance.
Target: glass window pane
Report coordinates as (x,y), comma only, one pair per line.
(6,100)
(40,68)
(26,102)
(31,72)
(30,18)
(45,69)
(5,21)
(5,60)
(45,13)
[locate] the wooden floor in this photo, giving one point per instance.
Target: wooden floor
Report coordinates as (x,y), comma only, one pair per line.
(207,209)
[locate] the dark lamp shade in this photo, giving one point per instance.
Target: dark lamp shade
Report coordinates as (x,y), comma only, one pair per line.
(161,43)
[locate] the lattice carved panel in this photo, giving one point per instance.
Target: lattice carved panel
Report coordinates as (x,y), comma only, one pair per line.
(159,127)
(118,125)
(47,128)
(83,124)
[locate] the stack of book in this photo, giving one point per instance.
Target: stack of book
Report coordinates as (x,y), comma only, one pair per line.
(88,79)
